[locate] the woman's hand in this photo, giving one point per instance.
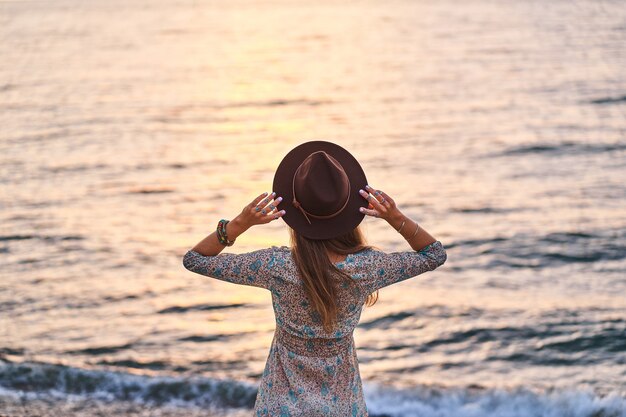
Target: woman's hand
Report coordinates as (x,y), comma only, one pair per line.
(260,211)
(381,205)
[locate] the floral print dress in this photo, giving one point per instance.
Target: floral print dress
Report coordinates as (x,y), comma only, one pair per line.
(311,372)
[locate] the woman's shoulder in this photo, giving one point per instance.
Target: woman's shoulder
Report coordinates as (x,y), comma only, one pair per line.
(281,248)
(281,252)
(362,256)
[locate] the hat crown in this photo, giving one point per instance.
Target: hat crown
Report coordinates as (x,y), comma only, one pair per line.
(319,181)
(321,185)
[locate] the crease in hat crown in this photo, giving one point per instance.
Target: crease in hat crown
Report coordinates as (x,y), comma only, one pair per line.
(316,162)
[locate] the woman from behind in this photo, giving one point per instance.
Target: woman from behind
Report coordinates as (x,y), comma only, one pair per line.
(319,284)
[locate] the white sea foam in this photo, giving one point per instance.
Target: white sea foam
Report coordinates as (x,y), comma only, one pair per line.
(520,402)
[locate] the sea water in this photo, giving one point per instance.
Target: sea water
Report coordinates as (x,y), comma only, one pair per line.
(129,128)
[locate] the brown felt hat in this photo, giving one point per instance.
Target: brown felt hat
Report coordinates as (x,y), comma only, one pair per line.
(319,182)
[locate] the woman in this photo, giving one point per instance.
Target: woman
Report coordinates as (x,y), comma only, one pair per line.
(321,283)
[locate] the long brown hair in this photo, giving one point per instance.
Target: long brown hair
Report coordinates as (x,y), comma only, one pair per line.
(315,267)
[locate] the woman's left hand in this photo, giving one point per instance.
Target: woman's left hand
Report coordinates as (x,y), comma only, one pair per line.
(261,210)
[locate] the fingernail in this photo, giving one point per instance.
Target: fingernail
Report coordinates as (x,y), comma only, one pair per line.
(361,191)
(265,193)
(361,209)
(279,199)
(283,211)
(273,193)
(367,186)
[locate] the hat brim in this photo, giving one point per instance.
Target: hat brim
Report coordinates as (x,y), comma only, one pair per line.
(347,219)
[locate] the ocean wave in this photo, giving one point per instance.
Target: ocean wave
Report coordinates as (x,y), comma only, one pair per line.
(101,350)
(54,380)
(609,100)
(477,402)
(42,237)
(503,338)
(542,251)
(199,307)
(558,149)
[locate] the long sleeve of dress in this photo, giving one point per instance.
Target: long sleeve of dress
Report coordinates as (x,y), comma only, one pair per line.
(389,268)
(251,268)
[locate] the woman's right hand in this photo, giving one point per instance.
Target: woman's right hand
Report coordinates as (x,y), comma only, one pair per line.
(381,205)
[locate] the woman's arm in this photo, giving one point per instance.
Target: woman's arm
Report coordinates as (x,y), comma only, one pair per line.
(257,212)
(389,268)
(383,206)
(251,268)
(417,241)
(211,246)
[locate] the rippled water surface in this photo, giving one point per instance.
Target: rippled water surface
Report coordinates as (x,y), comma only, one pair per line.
(128,129)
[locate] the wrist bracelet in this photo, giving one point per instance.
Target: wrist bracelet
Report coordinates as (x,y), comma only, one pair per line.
(222,237)
(416,229)
(402,225)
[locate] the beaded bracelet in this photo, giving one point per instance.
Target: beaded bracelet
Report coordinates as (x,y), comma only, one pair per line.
(224,236)
(221,233)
